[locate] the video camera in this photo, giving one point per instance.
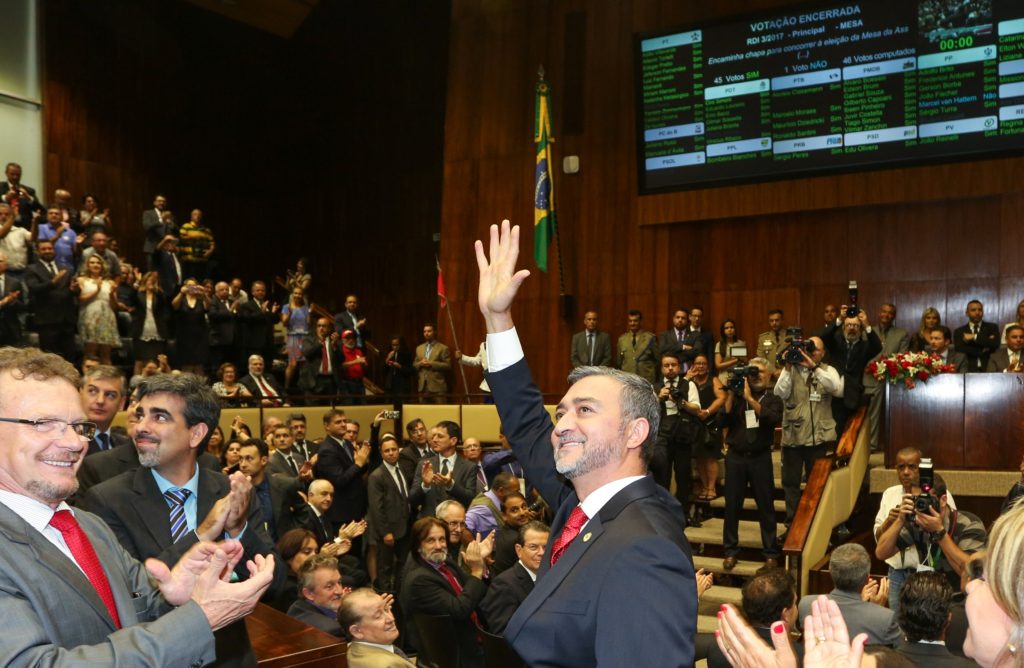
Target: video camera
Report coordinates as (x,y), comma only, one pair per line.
(926,480)
(852,309)
(737,374)
(797,343)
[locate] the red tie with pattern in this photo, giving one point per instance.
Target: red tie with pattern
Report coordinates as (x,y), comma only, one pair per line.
(577,518)
(454,582)
(64,522)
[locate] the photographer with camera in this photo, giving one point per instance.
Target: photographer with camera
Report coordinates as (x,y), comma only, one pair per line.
(673,449)
(941,537)
(751,414)
(806,386)
(850,349)
(904,562)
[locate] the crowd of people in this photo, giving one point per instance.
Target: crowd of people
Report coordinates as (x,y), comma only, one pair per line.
(368,540)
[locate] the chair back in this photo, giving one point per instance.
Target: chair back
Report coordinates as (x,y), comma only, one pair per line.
(438,648)
(497,652)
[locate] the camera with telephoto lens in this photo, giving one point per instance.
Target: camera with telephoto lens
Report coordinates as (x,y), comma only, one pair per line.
(926,480)
(737,374)
(797,343)
(852,309)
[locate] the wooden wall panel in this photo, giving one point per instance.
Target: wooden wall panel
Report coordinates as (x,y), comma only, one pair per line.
(328,144)
(936,235)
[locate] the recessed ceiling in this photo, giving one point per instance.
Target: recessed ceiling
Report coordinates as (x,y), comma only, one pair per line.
(278,17)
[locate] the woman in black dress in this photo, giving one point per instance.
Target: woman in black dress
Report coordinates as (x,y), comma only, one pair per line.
(707,451)
(192,332)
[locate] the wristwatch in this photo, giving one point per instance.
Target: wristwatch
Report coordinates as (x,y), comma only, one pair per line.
(938,535)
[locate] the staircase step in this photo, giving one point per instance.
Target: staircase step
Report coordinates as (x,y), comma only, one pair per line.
(743,567)
(707,623)
(710,532)
(716,595)
(749,504)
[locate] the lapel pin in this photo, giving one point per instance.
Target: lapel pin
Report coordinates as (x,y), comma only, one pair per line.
(586,537)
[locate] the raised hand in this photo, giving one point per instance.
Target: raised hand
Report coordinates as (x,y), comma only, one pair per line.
(499,280)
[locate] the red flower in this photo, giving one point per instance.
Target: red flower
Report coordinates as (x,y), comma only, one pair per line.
(922,375)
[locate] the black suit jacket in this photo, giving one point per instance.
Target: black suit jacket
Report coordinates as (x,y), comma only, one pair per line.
(343,321)
(624,594)
(850,363)
(166,272)
(504,596)
(122,457)
(703,343)
(288,507)
(313,353)
(155,229)
(117,439)
(425,591)
(257,326)
(977,351)
(305,611)
(463,485)
(336,465)
(10,325)
(667,342)
(222,324)
(27,206)
(388,510)
(132,505)
(52,304)
(580,353)
(249,383)
(936,656)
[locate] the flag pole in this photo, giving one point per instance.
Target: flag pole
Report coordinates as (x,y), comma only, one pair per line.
(554,219)
(455,338)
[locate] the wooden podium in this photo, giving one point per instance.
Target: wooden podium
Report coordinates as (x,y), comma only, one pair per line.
(279,640)
(961,421)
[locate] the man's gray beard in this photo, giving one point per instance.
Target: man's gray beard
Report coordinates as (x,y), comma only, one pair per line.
(43,490)
(436,558)
(590,460)
(852,338)
(150,459)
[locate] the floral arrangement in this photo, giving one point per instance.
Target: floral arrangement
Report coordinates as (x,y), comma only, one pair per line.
(908,368)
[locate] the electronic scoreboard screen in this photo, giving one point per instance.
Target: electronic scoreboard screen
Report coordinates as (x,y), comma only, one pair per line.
(829,87)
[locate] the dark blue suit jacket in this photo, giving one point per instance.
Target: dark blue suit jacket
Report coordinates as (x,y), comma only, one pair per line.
(624,592)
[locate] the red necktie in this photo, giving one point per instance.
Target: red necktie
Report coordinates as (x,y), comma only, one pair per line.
(577,518)
(447,573)
(265,387)
(85,556)
(325,360)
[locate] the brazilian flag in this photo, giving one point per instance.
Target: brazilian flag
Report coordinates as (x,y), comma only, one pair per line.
(543,191)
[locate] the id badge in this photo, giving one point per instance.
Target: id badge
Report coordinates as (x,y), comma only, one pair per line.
(815,396)
(751,417)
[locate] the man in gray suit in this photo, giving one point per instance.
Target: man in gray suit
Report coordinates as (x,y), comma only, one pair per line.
(1011,358)
(69,595)
(591,347)
(860,599)
(894,340)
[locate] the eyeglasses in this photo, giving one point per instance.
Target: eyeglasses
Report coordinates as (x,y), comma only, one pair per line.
(54,427)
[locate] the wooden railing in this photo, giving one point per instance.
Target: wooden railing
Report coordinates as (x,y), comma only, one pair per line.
(828,499)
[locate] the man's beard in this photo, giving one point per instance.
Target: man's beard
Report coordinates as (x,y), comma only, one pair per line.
(594,456)
(149,458)
(42,489)
(437,558)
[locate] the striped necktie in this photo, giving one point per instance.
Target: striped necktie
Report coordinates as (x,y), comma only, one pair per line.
(176,501)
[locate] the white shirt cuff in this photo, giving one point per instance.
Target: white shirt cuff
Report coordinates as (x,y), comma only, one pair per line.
(503,350)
